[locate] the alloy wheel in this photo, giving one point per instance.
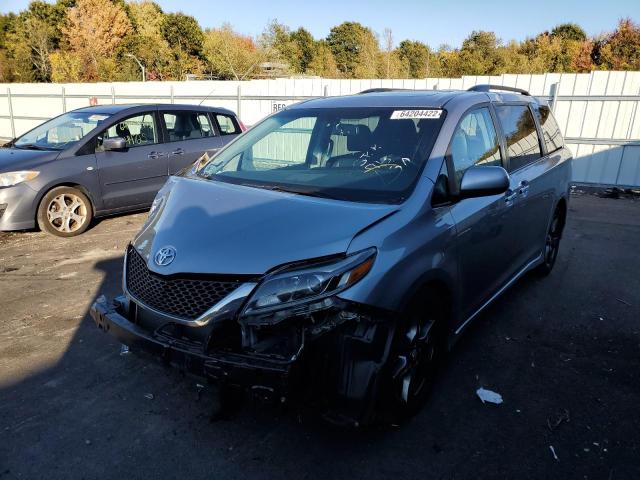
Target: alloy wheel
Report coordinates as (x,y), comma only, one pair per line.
(67,213)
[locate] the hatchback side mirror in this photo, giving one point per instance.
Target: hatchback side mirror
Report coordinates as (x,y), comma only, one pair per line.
(114,144)
(484,181)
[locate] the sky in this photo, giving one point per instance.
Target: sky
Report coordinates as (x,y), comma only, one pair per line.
(432,22)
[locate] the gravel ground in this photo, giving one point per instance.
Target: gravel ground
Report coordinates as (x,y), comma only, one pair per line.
(563,352)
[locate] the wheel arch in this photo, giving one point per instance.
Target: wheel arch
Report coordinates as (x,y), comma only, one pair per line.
(79,186)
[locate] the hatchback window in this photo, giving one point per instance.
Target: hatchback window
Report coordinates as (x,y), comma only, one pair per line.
(474,142)
(137,131)
(227,125)
(62,131)
(523,145)
(356,154)
(187,125)
(550,130)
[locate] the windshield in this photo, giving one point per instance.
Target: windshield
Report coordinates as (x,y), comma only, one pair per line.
(356,154)
(61,132)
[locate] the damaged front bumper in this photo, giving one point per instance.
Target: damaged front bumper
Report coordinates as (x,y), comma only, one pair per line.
(331,359)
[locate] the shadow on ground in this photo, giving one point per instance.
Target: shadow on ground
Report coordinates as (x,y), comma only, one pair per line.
(562,351)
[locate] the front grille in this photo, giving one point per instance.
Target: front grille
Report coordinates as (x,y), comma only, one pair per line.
(185,298)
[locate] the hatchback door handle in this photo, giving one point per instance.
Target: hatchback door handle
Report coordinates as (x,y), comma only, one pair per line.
(177,151)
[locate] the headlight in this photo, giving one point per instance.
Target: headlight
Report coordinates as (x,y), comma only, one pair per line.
(294,285)
(13,178)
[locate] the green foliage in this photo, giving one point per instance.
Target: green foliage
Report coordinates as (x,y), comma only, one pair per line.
(102,40)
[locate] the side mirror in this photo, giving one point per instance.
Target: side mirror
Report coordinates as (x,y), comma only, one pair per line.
(114,144)
(484,181)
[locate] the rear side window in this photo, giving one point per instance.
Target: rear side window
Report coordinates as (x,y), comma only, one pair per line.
(187,125)
(227,124)
(474,142)
(550,130)
(521,136)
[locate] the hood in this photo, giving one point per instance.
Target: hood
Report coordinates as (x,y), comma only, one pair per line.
(18,159)
(221,228)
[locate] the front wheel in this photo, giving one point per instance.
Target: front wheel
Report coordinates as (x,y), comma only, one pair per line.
(64,212)
(419,344)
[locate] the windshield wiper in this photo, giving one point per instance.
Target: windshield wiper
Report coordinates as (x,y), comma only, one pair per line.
(279,188)
(33,146)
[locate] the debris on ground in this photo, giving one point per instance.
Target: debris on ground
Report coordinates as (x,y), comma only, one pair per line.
(555,422)
(124,349)
(148,396)
(624,301)
(488,396)
(553,452)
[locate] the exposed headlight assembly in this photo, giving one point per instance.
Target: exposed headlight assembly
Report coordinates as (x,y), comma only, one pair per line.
(13,178)
(297,285)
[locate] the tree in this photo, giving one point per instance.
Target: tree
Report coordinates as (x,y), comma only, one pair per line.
(306,47)
(183,32)
(322,63)
(621,49)
(229,55)
(416,56)
(94,30)
(569,31)
(350,42)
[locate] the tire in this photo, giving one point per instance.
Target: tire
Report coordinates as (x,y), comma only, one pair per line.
(552,242)
(64,212)
(418,347)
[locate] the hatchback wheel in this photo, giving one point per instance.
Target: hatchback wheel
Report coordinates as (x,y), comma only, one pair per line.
(65,212)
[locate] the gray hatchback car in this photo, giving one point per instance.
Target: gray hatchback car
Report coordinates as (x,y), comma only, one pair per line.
(102,160)
(333,253)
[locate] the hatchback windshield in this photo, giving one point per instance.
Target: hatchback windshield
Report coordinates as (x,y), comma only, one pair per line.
(355,154)
(60,132)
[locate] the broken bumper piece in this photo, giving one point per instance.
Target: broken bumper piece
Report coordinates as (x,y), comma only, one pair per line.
(224,368)
(328,358)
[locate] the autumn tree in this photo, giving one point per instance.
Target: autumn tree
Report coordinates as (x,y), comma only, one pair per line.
(229,55)
(322,63)
(416,57)
(93,31)
(621,49)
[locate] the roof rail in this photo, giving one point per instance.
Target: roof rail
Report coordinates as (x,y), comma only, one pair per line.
(379,90)
(488,87)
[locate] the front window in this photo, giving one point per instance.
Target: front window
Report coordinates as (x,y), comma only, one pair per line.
(136,131)
(356,154)
(61,132)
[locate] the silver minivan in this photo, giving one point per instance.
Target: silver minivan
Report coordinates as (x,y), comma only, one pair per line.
(332,254)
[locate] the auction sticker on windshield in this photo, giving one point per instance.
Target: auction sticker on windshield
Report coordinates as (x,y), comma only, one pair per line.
(416,114)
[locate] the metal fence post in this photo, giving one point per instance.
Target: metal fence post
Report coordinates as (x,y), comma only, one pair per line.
(113,95)
(326,90)
(554,96)
(239,100)
(64,101)
(11,119)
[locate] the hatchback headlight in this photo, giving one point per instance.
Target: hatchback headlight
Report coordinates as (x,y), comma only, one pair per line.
(294,285)
(13,178)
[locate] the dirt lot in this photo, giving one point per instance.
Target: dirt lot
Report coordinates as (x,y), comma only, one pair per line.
(563,352)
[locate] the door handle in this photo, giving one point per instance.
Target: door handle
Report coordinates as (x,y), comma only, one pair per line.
(177,151)
(523,188)
(509,197)
(154,155)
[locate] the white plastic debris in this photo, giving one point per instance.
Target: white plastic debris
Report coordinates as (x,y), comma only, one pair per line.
(488,396)
(149,396)
(124,349)
(553,452)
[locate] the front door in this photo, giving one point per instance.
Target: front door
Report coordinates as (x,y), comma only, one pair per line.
(133,176)
(485,226)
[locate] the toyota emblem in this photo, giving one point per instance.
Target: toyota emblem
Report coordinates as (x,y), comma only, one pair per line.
(165,256)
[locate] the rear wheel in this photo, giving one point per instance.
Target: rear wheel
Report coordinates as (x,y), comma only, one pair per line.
(64,212)
(418,346)
(552,242)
